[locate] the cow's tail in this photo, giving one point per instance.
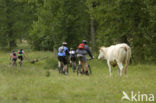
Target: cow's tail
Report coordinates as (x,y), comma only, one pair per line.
(128,56)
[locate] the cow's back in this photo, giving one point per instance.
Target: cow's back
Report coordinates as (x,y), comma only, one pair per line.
(117,52)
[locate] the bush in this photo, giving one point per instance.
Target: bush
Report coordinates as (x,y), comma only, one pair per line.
(51,63)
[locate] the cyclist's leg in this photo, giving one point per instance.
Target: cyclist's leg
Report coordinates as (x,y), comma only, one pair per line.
(20,62)
(15,62)
(71,62)
(65,68)
(59,61)
(12,62)
(81,63)
(62,67)
(86,65)
(59,64)
(74,61)
(65,65)
(21,59)
(18,59)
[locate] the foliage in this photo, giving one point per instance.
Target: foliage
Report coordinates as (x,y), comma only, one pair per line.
(16,18)
(59,21)
(128,22)
(47,23)
(51,63)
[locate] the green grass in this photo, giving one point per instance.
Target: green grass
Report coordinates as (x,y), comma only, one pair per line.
(30,84)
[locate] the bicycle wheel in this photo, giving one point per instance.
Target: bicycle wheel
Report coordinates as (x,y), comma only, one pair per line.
(14,63)
(78,69)
(60,69)
(20,63)
(73,67)
(67,69)
(89,70)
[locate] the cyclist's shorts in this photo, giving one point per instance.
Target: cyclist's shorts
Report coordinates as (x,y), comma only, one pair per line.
(63,59)
(73,59)
(83,58)
(14,59)
(20,57)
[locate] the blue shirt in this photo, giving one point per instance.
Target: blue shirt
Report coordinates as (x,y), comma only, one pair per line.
(62,51)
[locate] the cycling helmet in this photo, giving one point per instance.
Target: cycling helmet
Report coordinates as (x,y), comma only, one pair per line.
(84,41)
(64,43)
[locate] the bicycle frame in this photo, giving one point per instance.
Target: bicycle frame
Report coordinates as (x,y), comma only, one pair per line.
(73,66)
(61,68)
(79,69)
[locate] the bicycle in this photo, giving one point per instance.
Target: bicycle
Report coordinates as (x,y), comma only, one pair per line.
(13,62)
(73,66)
(61,69)
(82,72)
(20,63)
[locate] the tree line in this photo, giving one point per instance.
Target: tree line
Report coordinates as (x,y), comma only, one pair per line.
(45,24)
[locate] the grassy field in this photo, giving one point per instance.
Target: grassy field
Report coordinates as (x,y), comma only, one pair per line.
(41,83)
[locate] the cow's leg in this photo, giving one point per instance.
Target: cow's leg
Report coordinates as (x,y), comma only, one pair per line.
(121,68)
(110,69)
(125,68)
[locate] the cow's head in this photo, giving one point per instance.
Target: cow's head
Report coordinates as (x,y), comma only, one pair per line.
(102,53)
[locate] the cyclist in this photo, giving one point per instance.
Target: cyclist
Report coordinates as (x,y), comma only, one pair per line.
(82,50)
(63,54)
(13,58)
(20,56)
(72,53)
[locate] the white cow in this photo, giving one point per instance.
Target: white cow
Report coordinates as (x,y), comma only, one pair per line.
(116,55)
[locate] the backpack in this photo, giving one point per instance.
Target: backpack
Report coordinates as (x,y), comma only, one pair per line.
(20,52)
(14,56)
(81,46)
(61,49)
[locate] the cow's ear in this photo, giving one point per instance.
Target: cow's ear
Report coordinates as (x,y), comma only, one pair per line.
(101,49)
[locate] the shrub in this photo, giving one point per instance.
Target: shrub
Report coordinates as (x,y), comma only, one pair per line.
(51,63)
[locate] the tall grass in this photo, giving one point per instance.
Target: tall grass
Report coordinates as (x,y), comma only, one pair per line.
(30,84)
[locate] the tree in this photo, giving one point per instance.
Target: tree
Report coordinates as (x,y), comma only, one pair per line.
(64,20)
(15,20)
(125,21)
